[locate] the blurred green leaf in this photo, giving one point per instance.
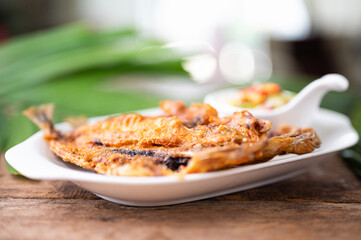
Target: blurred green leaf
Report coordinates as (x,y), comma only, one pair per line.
(356,115)
(65,63)
(18,129)
(352,157)
(41,53)
(84,94)
(3,127)
(15,48)
(11,170)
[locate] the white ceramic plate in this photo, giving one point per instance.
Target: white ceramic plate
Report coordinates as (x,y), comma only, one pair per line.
(33,159)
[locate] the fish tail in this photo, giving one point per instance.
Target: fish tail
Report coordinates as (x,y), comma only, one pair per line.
(42,116)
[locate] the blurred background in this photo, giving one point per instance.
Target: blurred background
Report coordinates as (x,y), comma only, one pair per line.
(310,37)
(100,57)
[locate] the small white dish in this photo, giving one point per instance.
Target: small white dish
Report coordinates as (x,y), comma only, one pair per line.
(298,112)
(33,159)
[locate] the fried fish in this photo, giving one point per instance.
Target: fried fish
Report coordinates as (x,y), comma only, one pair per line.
(181,141)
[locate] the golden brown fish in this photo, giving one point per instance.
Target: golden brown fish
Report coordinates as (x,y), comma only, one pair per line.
(183,140)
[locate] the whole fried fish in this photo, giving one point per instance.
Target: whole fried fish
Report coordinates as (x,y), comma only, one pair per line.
(182,140)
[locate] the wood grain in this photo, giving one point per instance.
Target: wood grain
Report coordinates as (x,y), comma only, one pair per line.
(323,203)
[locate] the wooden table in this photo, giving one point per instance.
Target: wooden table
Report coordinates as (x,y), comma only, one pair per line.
(321,204)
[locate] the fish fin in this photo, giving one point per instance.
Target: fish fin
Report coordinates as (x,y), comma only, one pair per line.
(42,116)
(77,121)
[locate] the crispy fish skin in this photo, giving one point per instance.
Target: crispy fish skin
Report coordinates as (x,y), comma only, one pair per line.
(179,142)
(139,131)
(96,147)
